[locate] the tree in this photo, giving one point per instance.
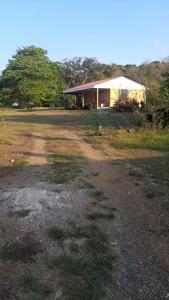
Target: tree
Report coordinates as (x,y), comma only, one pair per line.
(30,76)
(80,70)
(165,89)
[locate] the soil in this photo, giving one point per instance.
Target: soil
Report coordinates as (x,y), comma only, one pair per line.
(142,269)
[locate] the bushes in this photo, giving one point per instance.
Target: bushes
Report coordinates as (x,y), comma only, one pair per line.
(159,118)
(125,104)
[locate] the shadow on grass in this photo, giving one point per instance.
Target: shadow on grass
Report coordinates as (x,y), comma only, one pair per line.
(61,118)
(106,118)
(95,271)
(46,138)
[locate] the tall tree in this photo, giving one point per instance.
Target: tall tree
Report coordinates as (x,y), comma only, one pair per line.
(80,70)
(165,89)
(30,76)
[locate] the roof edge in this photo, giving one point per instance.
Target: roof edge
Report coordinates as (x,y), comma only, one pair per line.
(92,84)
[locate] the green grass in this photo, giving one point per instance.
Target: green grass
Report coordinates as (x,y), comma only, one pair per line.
(23,250)
(95,174)
(97,215)
(85,276)
(142,148)
(153,190)
(109,208)
(143,139)
(32,287)
(55,233)
(67,164)
(98,195)
(22,213)
(19,162)
(86,184)
(4,141)
(66,167)
(135,173)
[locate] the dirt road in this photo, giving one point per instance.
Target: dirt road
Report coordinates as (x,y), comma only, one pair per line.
(142,270)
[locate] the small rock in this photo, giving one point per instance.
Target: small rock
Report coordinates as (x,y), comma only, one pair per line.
(58,294)
(114,243)
(12,161)
(118,283)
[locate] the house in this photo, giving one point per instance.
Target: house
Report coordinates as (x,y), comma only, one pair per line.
(104,93)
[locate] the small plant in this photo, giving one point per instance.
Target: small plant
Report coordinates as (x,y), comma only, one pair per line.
(32,286)
(95,174)
(19,162)
(86,184)
(55,233)
(22,213)
(97,215)
(99,195)
(74,247)
(135,173)
(107,207)
(153,190)
(24,250)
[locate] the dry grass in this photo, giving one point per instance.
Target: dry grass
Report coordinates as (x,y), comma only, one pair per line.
(66,158)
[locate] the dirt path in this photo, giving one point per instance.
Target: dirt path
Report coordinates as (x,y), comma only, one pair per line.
(143,263)
(38,156)
(143,268)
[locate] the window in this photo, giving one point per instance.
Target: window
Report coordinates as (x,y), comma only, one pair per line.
(124,92)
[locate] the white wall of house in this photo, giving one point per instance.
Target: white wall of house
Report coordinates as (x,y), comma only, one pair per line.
(120,83)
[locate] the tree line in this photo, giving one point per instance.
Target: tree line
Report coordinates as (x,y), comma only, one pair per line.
(31,76)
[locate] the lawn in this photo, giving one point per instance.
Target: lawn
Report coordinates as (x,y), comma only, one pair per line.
(135,147)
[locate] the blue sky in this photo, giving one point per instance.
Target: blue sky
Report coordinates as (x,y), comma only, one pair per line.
(114,31)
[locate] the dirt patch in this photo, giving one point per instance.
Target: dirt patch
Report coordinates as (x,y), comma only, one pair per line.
(38,156)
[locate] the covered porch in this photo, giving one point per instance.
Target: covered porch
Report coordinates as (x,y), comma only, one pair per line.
(92,98)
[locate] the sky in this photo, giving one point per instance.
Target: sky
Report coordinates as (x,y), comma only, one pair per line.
(114,31)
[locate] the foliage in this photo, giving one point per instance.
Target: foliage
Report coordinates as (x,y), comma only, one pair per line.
(30,77)
(159,119)
(80,70)
(33,287)
(165,88)
(124,104)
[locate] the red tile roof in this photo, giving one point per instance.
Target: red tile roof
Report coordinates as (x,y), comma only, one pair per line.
(91,83)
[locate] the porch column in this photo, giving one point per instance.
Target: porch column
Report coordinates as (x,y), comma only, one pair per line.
(82,100)
(97,98)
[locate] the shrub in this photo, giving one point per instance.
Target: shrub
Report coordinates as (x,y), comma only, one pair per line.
(159,118)
(125,104)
